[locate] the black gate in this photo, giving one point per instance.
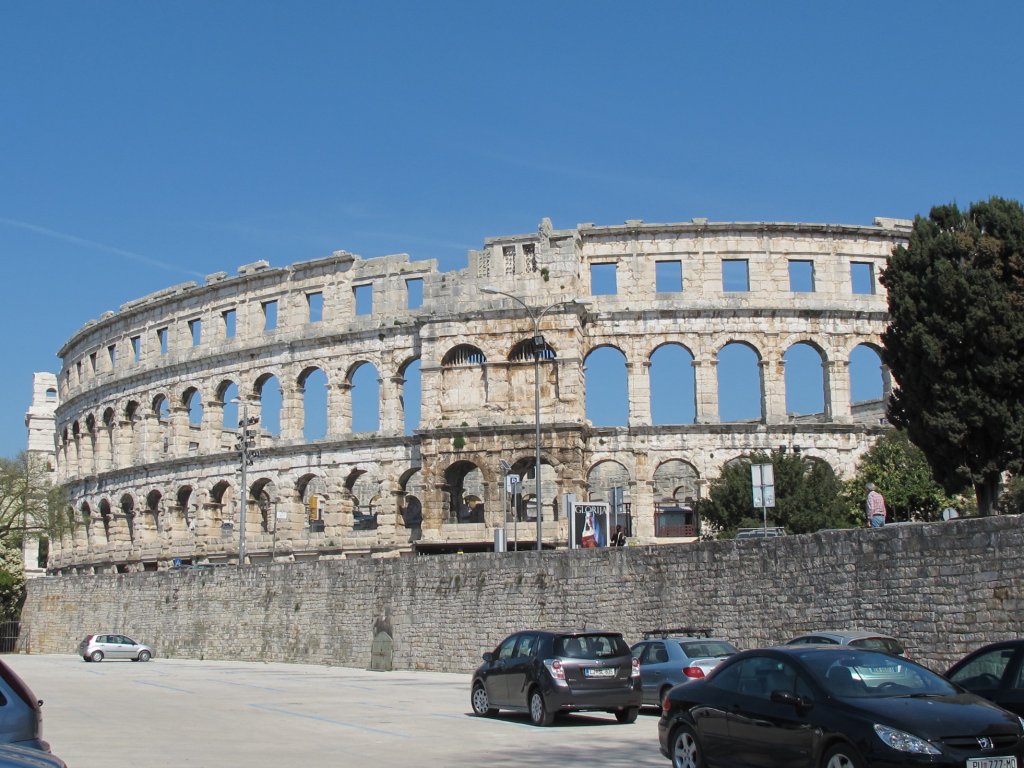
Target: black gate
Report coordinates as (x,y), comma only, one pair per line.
(10,631)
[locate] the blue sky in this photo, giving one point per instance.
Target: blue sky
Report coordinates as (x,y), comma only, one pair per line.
(144,144)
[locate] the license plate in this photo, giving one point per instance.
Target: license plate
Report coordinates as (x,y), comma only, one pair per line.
(992,762)
(610,672)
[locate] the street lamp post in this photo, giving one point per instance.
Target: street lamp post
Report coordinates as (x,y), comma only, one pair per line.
(246,455)
(538,343)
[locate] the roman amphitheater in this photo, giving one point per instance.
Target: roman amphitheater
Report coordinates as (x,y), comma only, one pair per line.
(386,402)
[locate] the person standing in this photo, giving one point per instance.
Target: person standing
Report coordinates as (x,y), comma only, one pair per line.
(875,507)
(619,539)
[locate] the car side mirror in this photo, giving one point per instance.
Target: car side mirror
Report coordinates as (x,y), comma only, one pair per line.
(488,657)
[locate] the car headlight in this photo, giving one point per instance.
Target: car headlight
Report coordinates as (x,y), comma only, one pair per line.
(905,742)
(1021,721)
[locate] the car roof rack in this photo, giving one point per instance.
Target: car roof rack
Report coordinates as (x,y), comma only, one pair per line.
(686,631)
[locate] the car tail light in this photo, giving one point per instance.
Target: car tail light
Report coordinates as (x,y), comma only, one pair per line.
(635,671)
(554,667)
(693,672)
(665,705)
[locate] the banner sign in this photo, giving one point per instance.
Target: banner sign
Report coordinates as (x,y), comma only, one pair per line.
(590,523)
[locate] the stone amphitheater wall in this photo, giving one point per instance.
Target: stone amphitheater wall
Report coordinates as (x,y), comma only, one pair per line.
(944,588)
(151,482)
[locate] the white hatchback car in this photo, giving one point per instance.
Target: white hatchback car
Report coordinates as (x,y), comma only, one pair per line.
(100,647)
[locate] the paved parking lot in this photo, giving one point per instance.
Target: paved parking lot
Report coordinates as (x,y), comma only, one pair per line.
(174,712)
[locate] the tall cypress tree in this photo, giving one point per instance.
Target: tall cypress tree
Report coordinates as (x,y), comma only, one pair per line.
(955,343)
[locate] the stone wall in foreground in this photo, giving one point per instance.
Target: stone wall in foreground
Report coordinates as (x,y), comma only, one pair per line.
(943,587)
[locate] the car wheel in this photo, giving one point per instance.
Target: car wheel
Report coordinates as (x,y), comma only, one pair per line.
(145,655)
(96,656)
(627,715)
(481,703)
(539,713)
(686,751)
(841,756)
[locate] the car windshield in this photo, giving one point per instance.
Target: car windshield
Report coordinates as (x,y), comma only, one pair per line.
(700,649)
(866,674)
(590,646)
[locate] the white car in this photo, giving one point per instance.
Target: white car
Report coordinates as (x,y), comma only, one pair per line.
(100,647)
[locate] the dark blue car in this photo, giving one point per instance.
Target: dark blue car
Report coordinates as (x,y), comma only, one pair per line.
(833,707)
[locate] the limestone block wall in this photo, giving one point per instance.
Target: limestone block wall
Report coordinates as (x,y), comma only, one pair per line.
(944,588)
(145,442)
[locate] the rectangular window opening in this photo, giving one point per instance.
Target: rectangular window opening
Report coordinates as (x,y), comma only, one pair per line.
(668,276)
(735,275)
(801,276)
(315,302)
(364,299)
(112,352)
(414,293)
(603,280)
(161,337)
(862,276)
(136,348)
(230,318)
(195,329)
(269,315)
(92,361)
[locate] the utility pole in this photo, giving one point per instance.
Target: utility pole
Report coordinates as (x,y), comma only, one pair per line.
(246,452)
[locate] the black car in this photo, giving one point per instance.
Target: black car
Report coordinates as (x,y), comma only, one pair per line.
(833,707)
(21,715)
(547,673)
(994,672)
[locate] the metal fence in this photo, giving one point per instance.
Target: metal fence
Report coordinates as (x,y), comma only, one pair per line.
(10,632)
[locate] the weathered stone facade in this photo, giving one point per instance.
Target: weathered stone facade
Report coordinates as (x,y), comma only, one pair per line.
(944,588)
(153,470)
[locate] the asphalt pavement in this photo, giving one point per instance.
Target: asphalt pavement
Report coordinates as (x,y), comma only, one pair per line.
(216,714)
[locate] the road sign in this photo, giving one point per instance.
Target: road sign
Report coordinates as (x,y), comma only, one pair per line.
(512,483)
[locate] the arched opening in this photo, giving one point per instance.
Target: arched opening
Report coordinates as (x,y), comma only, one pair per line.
(412,396)
(193,401)
(312,492)
(411,503)
(268,393)
(186,510)
(263,496)
(867,376)
(740,392)
(128,512)
(676,491)
(227,394)
(365,381)
(609,482)
(364,493)
(804,366)
(105,519)
(673,385)
(463,380)
(313,383)
(151,516)
(607,387)
(464,486)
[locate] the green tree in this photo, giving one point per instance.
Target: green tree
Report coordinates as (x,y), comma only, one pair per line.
(808,496)
(900,471)
(12,581)
(955,343)
(30,504)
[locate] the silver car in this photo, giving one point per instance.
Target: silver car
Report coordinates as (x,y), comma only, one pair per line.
(855,638)
(669,661)
(100,647)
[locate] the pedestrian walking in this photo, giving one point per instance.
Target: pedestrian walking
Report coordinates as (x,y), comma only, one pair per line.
(875,507)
